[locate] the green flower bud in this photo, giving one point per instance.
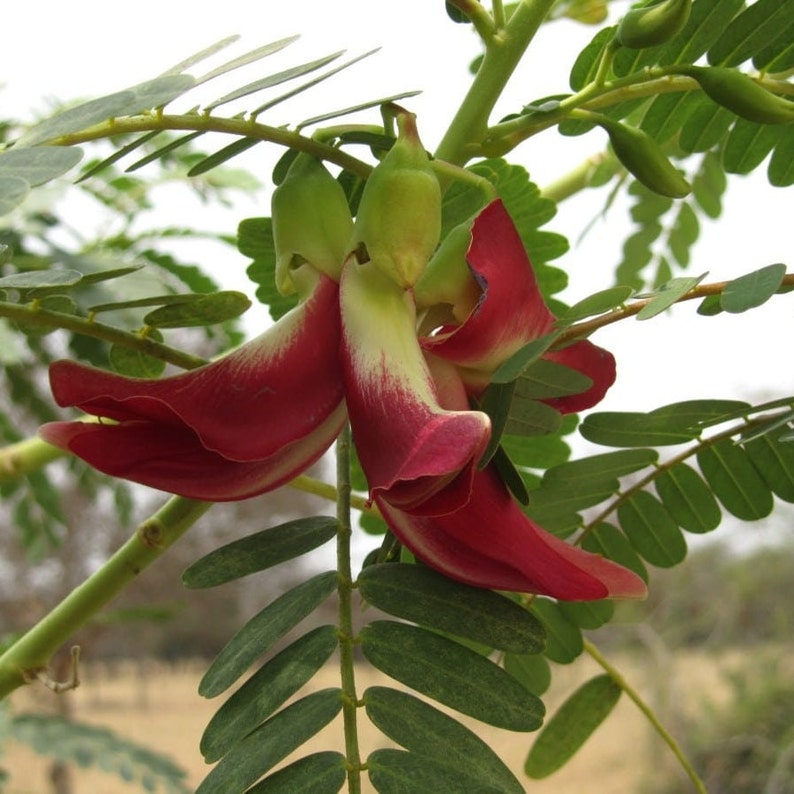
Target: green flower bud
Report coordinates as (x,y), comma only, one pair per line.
(448,279)
(398,223)
(741,94)
(642,157)
(311,222)
(652,25)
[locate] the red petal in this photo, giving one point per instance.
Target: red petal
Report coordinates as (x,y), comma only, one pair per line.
(511,313)
(511,310)
(247,405)
(172,459)
(589,359)
(491,543)
(410,448)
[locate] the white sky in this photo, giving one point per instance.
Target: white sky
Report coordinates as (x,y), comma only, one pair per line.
(90,47)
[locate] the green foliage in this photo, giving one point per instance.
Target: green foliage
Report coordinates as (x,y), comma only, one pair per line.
(431,735)
(572,725)
(423,596)
(259,751)
(259,634)
(92,746)
(260,551)
(451,674)
(266,690)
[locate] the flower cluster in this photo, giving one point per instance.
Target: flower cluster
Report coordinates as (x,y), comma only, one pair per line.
(393,334)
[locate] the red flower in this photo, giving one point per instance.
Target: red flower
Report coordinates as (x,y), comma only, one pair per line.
(255,418)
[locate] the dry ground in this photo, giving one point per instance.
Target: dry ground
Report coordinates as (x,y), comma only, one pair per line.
(158,705)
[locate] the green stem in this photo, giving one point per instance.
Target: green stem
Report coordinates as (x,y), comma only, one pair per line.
(33,315)
(345,589)
(585,328)
(195,122)
(647,711)
(31,654)
(503,51)
(327,491)
(578,178)
(25,457)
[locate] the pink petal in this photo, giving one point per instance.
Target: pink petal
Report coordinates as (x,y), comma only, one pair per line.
(245,406)
(410,448)
(511,313)
(491,543)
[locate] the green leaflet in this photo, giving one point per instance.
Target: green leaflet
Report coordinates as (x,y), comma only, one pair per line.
(753,289)
(255,240)
(266,690)
(260,551)
(612,543)
(565,642)
(13,191)
(423,596)
(688,499)
(199,310)
(748,144)
(634,430)
(651,530)
(598,303)
(222,155)
(145,96)
(272,741)
(531,670)
(668,294)
(708,185)
(319,773)
(400,772)
(261,631)
(39,164)
(705,127)
(135,363)
(763,29)
(588,615)
(734,480)
(781,164)
(575,485)
(56,278)
(773,458)
(429,733)
(571,725)
(451,674)
(273,80)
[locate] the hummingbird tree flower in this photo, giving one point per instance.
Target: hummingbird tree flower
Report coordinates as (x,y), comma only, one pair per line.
(357,349)
(232,429)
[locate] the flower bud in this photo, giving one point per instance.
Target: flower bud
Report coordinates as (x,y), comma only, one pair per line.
(652,25)
(644,160)
(311,222)
(741,94)
(448,278)
(398,224)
